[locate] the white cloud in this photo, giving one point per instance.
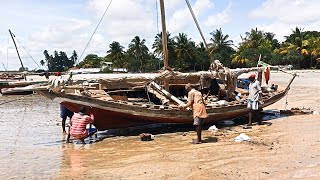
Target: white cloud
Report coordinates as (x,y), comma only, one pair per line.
(285,15)
(181,18)
(288,11)
(219,19)
(126,19)
(59,32)
(284,29)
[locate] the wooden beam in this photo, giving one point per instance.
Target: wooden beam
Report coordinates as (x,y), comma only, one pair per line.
(164,35)
(166,93)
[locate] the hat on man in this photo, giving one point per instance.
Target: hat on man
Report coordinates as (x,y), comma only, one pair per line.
(252,75)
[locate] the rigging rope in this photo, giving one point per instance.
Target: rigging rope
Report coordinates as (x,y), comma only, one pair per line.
(157,16)
(95,29)
(197,24)
(286,101)
(7,52)
(27,52)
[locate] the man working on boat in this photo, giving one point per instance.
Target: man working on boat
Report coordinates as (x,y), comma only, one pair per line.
(79,122)
(64,113)
(195,101)
(253,99)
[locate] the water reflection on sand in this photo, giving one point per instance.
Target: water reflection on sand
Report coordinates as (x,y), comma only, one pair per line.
(30,139)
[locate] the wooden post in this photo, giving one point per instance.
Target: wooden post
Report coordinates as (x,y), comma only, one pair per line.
(164,35)
(164,42)
(166,93)
(14,42)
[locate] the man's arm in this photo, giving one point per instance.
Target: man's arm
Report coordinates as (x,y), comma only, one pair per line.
(190,100)
(259,87)
(91,118)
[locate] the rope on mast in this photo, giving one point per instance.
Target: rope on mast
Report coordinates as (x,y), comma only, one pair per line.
(27,52)
(95,29)
(197,24)
(157,16)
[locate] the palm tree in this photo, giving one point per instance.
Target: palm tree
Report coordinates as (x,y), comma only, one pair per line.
(219,41)
(139,50)
(202,56)
(296,37)
(271,37)
(254,38)
(220,48)
(42,62)
(185,51)
(313,45)
(116,53)
(299,41)
(157,46)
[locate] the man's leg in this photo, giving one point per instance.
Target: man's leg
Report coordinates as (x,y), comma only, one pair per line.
(258,117)
(82,140)
(250,118)
(92,133)
(64,124)
(68,137)
(199,133)
(197,123)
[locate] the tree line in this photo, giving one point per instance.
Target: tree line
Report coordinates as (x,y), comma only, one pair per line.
(300,49)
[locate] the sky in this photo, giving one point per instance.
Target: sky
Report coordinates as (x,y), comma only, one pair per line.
(66,25)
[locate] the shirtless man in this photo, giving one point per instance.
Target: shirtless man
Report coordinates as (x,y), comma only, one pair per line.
(195,101)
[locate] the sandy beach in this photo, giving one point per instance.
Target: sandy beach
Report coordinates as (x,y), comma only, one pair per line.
(32,145)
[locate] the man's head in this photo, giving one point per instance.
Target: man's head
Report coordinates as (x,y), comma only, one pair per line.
(188,87)
(82,109)
(252,77)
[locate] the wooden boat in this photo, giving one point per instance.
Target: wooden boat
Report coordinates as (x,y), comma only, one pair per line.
(112,109)
(14,87)
(132,101)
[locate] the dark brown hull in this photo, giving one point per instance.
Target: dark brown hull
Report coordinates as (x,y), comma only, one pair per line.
(118,114)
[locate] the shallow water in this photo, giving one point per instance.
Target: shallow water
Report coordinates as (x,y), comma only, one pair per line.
(32,145)
(30,138)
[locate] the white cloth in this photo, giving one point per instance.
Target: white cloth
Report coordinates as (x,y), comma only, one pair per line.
(254,90)
(254,105)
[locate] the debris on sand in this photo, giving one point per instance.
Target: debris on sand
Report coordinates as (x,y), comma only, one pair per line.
(297,111)
(213,128)
(242,137)
(146,137)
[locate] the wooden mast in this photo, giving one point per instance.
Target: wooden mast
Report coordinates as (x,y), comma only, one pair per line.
(14,42)
(164,35)
(164,42)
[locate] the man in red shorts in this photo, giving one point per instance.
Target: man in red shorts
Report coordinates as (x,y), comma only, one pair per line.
(79,122)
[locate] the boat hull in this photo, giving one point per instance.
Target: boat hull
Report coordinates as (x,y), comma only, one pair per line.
(120,114)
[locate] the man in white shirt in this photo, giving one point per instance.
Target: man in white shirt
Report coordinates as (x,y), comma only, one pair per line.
(253,99)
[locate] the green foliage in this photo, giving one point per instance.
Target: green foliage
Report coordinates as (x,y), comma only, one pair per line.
(116,54)
(300,49)
(59,61)
(254,44)
(91,61)
(220,47)
(106,70)
(138,55)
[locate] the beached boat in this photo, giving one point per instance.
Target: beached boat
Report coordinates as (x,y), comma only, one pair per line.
(140,101)
(135,99)
(15,87)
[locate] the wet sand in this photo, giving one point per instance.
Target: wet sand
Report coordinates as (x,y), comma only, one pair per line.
(282,148)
